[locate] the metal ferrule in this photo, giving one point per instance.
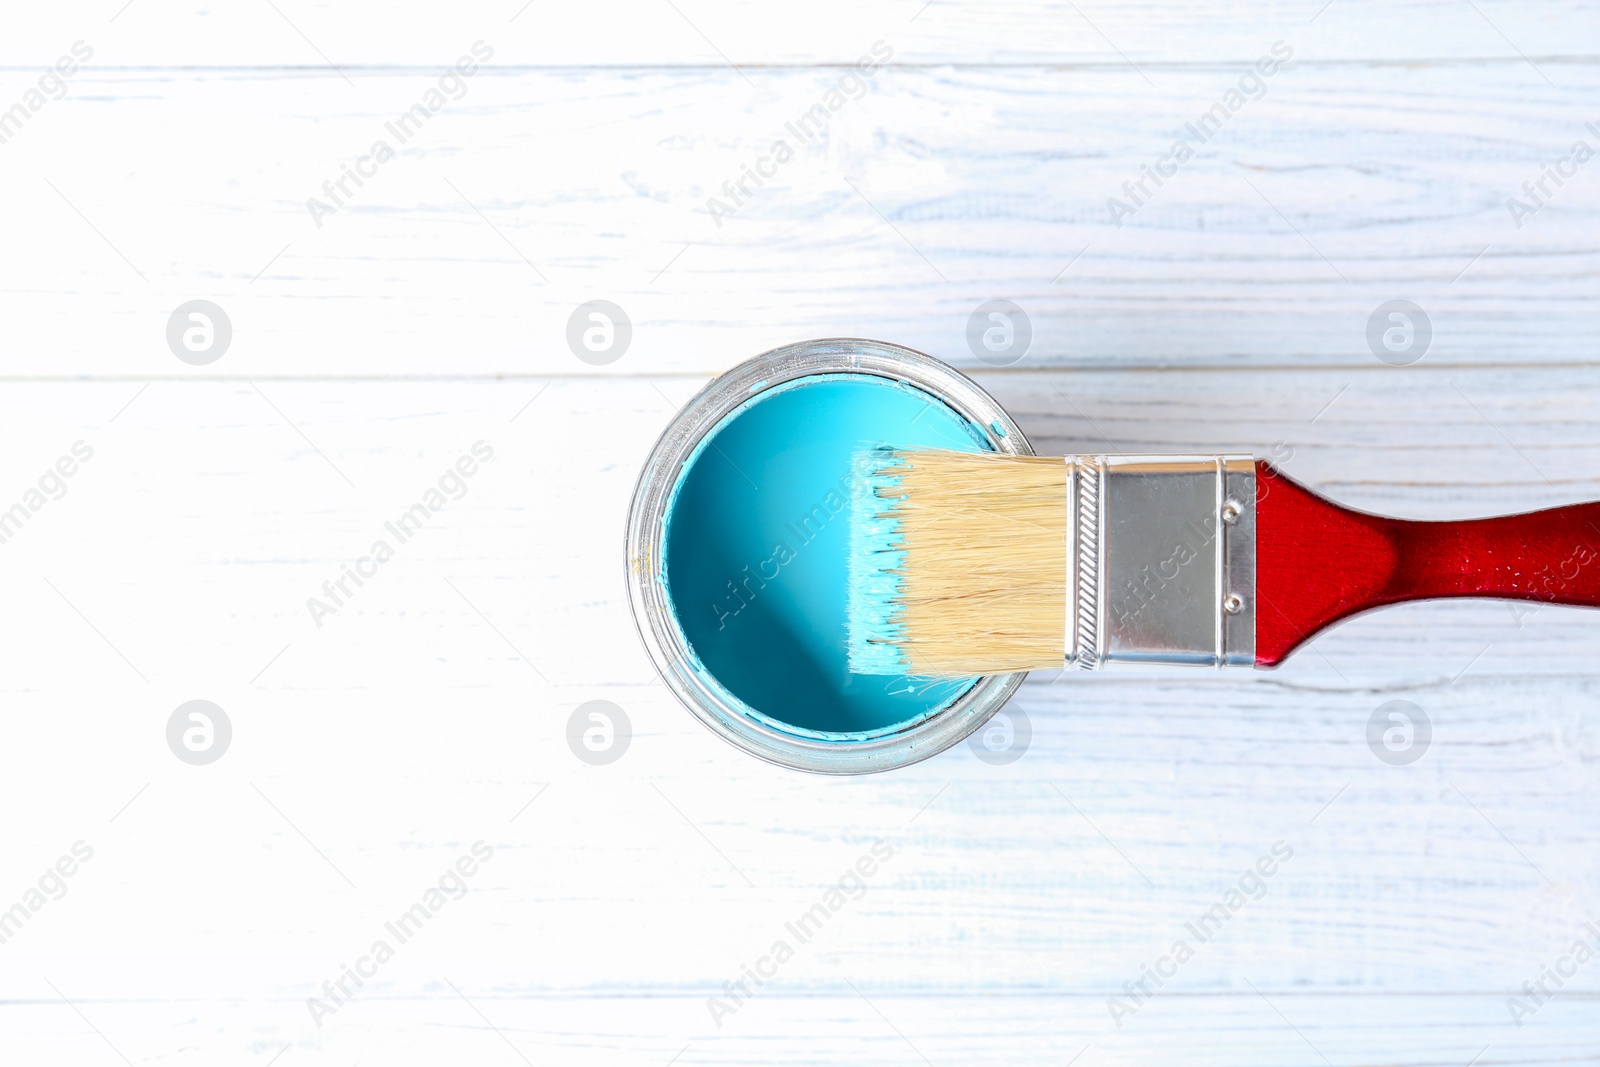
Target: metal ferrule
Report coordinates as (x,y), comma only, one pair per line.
(1161,560)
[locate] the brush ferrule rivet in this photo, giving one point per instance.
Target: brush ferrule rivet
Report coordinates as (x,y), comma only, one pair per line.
(1233,603)
(1231,510)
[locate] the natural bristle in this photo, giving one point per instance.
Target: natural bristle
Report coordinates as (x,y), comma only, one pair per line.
(958,563)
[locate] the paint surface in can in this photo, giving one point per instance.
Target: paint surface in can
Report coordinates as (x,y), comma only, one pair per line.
(756,547)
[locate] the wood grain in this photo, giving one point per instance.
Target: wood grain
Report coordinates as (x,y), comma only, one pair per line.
(938,190)
(1127,37)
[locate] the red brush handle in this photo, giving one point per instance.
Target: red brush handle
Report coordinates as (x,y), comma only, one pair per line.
(1318,562)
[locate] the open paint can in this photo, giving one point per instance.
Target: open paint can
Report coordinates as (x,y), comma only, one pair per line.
(738,547)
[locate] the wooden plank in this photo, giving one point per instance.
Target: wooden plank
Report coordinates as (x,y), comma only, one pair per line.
(802,1030)
(941,189)
(1129,37)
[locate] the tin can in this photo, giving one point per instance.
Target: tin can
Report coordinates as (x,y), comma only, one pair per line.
(653,611)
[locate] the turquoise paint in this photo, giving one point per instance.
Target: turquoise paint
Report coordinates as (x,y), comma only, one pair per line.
(756,551)
(873,630)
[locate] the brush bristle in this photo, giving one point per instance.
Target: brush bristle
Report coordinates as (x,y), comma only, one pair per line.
(958,563)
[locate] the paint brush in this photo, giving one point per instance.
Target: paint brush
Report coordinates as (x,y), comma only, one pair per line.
(980,563)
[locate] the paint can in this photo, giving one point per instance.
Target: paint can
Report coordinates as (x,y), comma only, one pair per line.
(657,616)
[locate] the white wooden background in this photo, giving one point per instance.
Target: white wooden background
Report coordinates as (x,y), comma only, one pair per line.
(429,314)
